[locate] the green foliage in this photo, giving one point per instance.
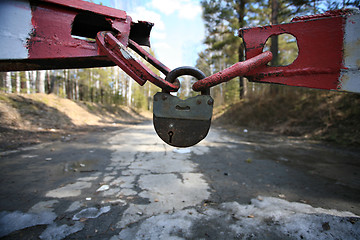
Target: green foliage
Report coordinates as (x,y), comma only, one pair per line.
(140,101)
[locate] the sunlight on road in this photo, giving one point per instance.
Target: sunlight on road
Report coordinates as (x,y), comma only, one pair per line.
(166,178)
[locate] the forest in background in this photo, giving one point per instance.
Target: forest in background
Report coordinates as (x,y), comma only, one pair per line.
(222,19)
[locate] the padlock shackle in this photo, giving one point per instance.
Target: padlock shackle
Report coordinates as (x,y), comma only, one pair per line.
(187,70)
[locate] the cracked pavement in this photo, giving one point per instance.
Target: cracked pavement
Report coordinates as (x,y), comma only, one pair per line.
(128,184)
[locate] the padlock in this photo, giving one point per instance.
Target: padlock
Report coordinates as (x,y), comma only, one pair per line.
(182,123)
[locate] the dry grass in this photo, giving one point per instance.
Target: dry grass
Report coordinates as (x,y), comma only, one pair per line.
(321,115)
(33,118)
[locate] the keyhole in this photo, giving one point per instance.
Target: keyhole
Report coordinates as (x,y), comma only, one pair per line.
(171,133)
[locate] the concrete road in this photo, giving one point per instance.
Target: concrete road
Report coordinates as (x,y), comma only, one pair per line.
(128,184)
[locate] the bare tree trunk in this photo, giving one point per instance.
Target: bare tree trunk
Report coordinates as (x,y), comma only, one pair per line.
(2,80)
(91,86)
(49,82)
(241,16)
(129,92)
(8,85)
(274,48)
(28,77)
(123,88)
(32,78)
(68,85)
(18,82)
(40,80)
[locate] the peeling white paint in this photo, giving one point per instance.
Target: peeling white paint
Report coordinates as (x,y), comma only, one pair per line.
(15,28)
(350,76)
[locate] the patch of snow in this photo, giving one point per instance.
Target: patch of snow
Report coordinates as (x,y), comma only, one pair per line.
(86,179)
(45,206)
(166,192)
(264,218)
(54,232)
(103,188)
(12,221)
(163,227)
(91,212)
(74,206)
(182,150)
(297,220)
(39,214)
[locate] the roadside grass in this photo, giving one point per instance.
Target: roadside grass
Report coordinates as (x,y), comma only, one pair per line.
(33,118)
(314,114)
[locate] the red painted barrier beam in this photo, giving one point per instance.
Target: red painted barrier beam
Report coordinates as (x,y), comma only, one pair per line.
(54,34)
(329,51)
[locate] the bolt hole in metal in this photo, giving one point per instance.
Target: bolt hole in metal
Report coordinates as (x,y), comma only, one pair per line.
(86,25)
(287,52)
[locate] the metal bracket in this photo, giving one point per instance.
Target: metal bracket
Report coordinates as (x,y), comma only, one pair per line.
(329,51)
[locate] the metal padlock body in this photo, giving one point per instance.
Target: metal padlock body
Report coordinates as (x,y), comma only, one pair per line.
(182,123)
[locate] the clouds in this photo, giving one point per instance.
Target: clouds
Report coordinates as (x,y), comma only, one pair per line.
(178,28)
(185,9)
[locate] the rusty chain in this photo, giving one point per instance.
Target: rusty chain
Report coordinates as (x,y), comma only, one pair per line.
(119,54)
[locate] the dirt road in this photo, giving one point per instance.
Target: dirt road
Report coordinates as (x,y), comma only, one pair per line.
(127,184)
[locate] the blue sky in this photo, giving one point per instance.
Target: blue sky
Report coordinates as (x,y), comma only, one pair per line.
(178,32)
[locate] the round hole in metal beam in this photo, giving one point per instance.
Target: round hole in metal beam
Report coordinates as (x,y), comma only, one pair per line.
(284,49)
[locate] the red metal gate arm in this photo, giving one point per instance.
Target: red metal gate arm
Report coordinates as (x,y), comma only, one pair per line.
(329,51)
(53,34)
